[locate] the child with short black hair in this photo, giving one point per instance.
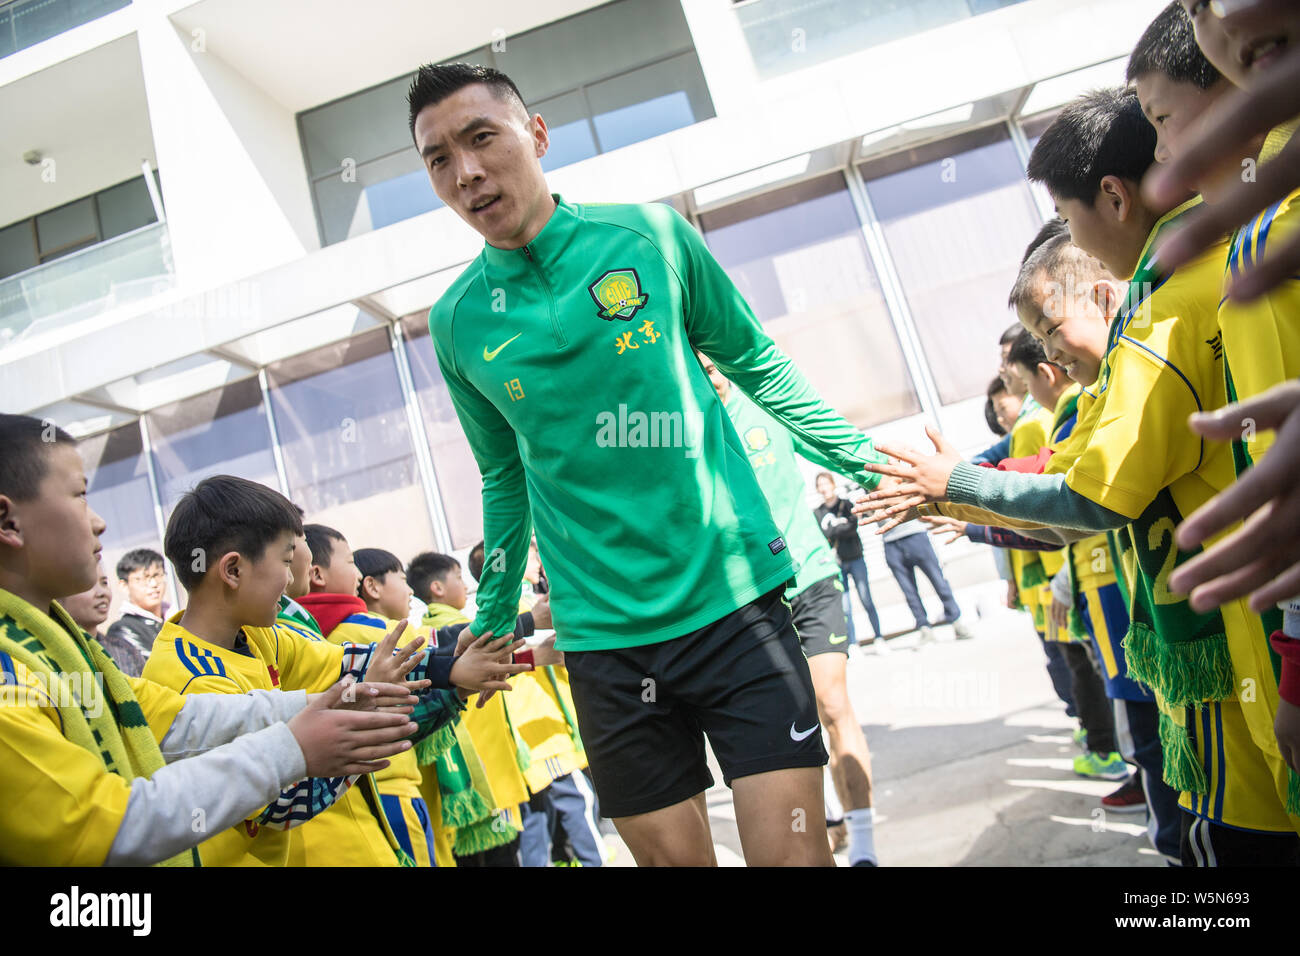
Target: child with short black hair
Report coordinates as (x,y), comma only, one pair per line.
(76,732)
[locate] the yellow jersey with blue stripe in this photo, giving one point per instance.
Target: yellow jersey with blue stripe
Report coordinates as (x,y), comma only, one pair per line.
(491,732)
(1033,569)
(1165,363)
(1261,339)
(272,659)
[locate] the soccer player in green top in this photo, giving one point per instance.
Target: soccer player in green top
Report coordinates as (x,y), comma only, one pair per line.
(568,349)
(816,604)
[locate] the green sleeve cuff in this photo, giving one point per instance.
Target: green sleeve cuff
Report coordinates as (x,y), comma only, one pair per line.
(964,484)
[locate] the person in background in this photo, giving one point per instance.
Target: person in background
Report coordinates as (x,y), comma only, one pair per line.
(144,578)
(835,516)
(89,610)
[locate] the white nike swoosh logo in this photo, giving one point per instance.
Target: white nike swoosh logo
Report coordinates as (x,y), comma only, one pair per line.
(798,735)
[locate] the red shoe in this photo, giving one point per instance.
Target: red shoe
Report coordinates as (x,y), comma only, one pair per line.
(1129,798)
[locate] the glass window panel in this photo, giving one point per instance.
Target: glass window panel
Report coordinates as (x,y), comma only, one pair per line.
(385,191)
(125,207)
(222,432)
(358,127)
(799,258)
(347,450)
(956,229)
(17,248)
(834,28)
(28,22)
(593,45)
(647,102)
(118,491)
(459,482)
(67,228)
(571,136)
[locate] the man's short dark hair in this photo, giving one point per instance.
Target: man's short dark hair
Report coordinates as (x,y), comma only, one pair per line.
(434,82)
(374,563)
(320,541)
(1009,334)
(476,559)
(1027,351)
(138,559)
(427,567)
(1169,46)
(23,462)
(1062,262)
(221,514)
(1099,134)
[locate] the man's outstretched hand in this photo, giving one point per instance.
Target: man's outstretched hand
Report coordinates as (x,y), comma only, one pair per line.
(484,664)
(921,479)
(1261,558)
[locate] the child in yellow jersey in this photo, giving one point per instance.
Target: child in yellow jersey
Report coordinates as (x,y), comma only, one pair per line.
(223,644)
(437,580)
(387,598)
(75,732)
(344,620)
(1138,466)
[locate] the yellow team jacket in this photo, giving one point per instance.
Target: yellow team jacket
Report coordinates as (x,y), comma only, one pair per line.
(347,834)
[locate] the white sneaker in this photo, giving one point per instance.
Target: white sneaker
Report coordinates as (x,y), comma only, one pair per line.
(963,630)
(881,647)
(926,637)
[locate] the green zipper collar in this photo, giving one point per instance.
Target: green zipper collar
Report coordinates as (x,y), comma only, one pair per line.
(547,246)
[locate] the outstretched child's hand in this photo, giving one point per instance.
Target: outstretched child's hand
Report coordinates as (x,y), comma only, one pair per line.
(343,743)
(363,697)
(922,479)
(943,525)
(389,665)
(485,665)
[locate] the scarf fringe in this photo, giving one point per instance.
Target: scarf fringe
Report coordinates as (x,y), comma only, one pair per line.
(483,836)
(1185,674)
(429,749)
(464,808)
(1183,770)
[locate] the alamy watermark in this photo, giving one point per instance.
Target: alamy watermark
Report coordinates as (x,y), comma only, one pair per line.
(634,428)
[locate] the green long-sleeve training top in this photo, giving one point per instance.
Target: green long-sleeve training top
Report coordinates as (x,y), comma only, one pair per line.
(570,363)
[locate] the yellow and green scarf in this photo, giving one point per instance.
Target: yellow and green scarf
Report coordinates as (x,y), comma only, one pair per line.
(52,647)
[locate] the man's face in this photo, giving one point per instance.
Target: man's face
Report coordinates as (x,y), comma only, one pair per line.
(342,576)
(826,488)
(144,587)
(1007,408)
(258,597)
(59,531)
(1070,326)
(1245,44)
(90,608)
(483,158)
(301,567)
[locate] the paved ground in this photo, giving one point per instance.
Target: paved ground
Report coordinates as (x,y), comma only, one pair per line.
(971,756)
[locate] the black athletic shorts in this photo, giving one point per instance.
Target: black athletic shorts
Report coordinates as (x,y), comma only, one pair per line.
(819,618)
(1212,844)
(643,711)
